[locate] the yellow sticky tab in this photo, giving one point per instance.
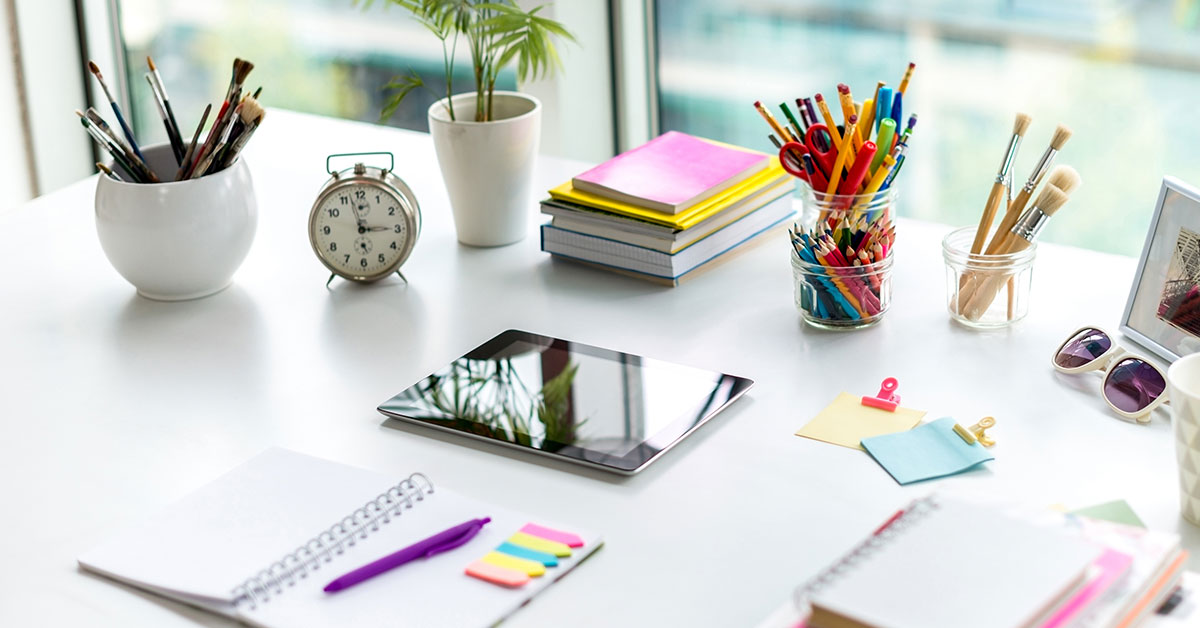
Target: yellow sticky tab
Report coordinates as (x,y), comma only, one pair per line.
(539,544)
(530,567)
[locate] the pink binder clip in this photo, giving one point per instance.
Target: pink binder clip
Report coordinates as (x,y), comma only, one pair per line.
(887,399)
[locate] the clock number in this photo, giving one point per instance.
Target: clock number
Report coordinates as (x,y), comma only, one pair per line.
(360,195)
(325,230)
(377,199)
(391,211)
(347,258)
(363,262)
(333,246)
(344,199)
(334,212)
(399,228)
(393,244)
(381,258)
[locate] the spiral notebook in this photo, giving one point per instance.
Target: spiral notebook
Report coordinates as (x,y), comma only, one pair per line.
(942,563)
(259,543)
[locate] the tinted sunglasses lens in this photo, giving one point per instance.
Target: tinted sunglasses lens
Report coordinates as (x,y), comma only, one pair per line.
(1083,347)
(1132,384)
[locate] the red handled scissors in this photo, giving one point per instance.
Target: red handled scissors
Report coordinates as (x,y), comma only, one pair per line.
(818,145)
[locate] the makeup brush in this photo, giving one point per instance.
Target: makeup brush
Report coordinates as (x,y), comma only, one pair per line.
(160,93)
(997,195)
(1026,231)
(1061,134)
(191,149)
(116,110)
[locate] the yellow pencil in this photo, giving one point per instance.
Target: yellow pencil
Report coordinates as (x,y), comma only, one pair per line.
(844,150)
(828,117)
(867,121)
(775,126)
(907,77)
(847,102)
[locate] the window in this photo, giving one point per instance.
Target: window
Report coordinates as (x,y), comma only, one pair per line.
(1122,74)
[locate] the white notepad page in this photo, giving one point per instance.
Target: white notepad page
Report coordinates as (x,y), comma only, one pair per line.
(959,565)
(202,547)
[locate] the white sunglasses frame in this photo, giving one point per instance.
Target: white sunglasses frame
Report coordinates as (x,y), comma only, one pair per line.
(1104,362)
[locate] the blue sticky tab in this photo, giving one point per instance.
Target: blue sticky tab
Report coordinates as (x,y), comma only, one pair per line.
(925,452)
(549,560)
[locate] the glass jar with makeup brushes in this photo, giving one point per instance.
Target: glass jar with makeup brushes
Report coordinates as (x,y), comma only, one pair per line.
(842,258)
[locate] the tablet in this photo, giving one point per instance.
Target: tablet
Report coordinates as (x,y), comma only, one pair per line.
(553,397)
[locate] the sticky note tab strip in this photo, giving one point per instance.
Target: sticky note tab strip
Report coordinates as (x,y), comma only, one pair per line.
(539,544)
(496,574)
(526,553)
(549,560)
(550,534)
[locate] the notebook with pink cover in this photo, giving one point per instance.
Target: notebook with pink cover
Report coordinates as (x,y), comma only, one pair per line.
(671,172)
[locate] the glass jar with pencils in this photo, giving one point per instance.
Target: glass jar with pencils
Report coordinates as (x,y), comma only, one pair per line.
(842,258)
(986,291)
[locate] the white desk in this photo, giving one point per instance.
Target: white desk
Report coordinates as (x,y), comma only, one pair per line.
(114,405)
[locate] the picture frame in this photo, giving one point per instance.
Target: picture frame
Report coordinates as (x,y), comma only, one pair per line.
(1163,309)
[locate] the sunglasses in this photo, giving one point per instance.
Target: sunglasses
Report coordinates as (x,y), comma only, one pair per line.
(1132,386)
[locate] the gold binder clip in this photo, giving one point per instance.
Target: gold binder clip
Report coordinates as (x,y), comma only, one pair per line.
(977,432)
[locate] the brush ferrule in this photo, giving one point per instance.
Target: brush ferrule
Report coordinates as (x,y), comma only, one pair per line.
(1013,145)
(1030,224)
(1040,171)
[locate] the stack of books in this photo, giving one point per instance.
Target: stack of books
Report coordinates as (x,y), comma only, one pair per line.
(943,563)
(668,208)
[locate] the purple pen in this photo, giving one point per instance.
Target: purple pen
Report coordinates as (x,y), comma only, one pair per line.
(443,541)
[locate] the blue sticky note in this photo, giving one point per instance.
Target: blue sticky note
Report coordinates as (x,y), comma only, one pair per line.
(925,452)
(512,549)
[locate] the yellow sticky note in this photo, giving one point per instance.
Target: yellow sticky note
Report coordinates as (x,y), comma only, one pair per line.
(539,544)
(846,422)
(530,567)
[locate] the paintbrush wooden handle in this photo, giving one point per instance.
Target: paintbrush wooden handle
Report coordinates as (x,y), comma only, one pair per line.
(989,214)
(1010,220)
(989,285)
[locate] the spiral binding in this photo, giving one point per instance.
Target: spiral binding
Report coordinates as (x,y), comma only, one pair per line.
(909,517)
(259,588)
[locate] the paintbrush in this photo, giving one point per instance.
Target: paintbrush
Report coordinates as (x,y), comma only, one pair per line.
(107,144)
(108,171)
(997,195)
(160,95)
(94,117)
(191,149)
(116,110)
(1026,231)
(100,130)
(1061,135)
(251,115)
(241,69)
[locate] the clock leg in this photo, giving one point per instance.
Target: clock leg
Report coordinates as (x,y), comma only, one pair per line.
(402,275)
(331,276)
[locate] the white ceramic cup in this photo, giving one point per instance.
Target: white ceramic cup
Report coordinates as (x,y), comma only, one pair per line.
(180,239)
(1183,380)
(488,166)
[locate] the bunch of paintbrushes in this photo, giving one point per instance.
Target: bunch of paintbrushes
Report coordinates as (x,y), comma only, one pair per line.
(843,283)
(1021,223)
(236,121)
(859,157)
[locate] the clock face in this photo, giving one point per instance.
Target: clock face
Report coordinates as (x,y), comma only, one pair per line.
(361,231)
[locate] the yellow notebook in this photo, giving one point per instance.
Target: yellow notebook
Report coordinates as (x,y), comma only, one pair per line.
(697,213)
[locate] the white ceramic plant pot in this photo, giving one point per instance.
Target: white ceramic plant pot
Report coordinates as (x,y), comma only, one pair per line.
(177,240)
(488,166)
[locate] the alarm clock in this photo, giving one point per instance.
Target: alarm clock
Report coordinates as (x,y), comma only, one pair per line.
(365,221)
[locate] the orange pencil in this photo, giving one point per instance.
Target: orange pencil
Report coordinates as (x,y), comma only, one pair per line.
(844,151)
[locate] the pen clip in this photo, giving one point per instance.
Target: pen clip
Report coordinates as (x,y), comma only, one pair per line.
(455,542)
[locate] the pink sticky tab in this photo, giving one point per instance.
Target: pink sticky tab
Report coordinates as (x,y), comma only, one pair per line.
(550,534)
(496,574)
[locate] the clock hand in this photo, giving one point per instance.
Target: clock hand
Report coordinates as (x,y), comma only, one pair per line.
(378,228)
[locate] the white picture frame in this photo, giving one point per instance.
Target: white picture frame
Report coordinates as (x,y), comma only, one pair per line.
(1158,314)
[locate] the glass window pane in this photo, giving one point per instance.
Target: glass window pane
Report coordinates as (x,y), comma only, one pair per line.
(327,57)
(1123,74)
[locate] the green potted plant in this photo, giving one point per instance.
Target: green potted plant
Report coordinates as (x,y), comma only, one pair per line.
(486,140)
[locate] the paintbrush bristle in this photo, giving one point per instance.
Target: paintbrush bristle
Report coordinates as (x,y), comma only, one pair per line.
(250,109)
(1021,124)
(1051,199)
(242,71)
(1065,178)
(150,62)
(80,113)
(1061,134)
(94,68)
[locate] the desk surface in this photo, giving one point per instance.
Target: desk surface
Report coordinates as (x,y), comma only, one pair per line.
(114,405)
